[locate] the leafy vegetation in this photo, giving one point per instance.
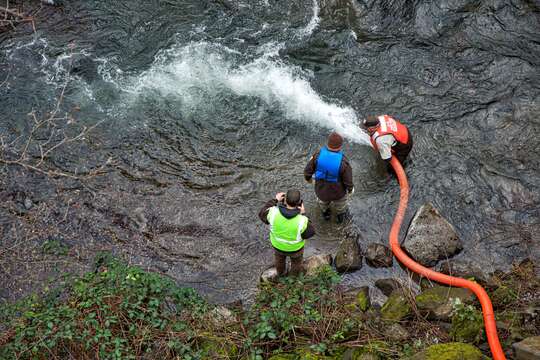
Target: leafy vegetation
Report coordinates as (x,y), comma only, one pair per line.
(122,312)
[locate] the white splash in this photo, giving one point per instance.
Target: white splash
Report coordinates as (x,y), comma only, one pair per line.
(313,23)
(200,71)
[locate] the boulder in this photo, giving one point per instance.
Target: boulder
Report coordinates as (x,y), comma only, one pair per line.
(378,255)
(396,307)
(388,286)
(467,269)
(430,237)
(269,275)
(437,302)
(449,351)
(467,325)
(315,262)
(348,257)
(528,349)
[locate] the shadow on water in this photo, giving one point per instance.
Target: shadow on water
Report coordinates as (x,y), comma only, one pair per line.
(211,107)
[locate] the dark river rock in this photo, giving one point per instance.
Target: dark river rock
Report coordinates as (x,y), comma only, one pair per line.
(205,109)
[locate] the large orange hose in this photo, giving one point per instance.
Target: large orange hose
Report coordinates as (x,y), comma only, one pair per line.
(487,308)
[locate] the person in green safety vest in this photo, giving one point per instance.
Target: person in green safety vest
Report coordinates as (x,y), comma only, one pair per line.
(289,228)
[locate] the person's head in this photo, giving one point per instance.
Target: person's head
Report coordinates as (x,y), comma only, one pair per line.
(335,141)
(292,198)
(371,123)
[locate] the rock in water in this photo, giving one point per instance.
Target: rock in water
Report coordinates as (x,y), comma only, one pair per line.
(378,255)
(430,237)
(348,257)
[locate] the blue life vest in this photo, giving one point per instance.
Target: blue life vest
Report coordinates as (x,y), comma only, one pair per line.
(328,165)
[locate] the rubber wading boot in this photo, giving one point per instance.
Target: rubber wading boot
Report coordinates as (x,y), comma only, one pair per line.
(326,214)
(341,217)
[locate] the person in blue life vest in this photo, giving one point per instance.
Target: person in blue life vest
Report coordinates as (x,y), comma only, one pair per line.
(289,228)
(333,178)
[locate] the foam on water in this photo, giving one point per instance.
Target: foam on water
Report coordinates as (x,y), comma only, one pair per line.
(313,23)
(200,71)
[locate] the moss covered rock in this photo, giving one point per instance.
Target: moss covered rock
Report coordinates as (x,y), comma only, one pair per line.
(450,351)
(362,298)
(437,302)
(373,350)
(396,308)
(218,347)
(284,356)
(467,327)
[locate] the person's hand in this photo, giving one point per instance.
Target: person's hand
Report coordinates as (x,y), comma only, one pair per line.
(302,209)
(310,180)
(280,196)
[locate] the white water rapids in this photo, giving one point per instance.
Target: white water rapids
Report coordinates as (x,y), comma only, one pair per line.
(197,72)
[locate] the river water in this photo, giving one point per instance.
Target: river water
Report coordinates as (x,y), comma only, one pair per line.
(205,109)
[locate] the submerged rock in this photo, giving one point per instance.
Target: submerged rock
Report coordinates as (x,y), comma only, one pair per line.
(430,237)
(450,351)
(437,302)
(348,256)
(528,349)
(378,255)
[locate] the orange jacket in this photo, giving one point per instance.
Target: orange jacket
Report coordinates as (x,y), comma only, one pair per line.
(389,125)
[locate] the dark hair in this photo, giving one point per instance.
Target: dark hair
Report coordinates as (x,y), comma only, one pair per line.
(292,198)
(370,121)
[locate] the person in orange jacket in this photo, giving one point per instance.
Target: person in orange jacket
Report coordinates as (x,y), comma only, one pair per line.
(389,137)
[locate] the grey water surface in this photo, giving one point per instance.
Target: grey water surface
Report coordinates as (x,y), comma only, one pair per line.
(206,109)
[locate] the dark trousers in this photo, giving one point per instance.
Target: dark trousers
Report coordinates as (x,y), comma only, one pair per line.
(401,151)
(280,261)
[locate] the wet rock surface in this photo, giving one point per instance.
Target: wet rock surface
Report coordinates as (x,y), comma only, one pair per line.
(348,256)
(378,255)
(430,237)
(388,286)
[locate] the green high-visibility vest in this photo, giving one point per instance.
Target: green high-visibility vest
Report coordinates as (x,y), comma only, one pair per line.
(286,234)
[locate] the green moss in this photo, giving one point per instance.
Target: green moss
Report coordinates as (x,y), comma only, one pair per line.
(284,357)
(504,295)
(425,299)
(218,347)
(452,351)
(467,329)
(436,296)
(363,301)
(396,307)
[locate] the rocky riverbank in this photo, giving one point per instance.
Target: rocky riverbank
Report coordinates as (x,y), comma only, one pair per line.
(119,311)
